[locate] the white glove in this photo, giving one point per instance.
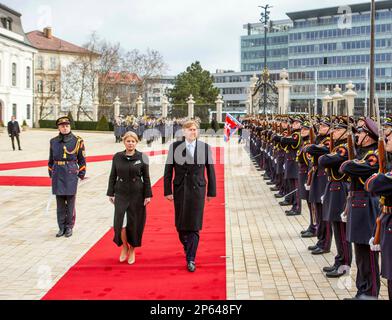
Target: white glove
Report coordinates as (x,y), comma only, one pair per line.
(307,188)
(276,161)
(322,199)
(374,247)
(343,216)
(261,149)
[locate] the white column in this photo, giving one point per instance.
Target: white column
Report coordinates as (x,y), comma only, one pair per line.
(191,107)
(350,96)
(336,98)
(165,105)
(116,105)
(139,106)
(283,92)
(326,100)
(219,108)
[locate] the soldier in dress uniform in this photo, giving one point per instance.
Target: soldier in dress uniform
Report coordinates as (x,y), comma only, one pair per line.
(318,181)
(303,160)
(334,201)
(291,146)
(381,185)
(362,210)
(67,164)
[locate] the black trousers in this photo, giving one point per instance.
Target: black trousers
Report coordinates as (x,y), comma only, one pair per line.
(324,229)
(66,214)
(293,197)
(390,289)
(368,274)
(13,141)
(190,241)
(344,249)
(313,223)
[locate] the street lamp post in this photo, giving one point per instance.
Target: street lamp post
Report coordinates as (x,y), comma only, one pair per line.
(264,20)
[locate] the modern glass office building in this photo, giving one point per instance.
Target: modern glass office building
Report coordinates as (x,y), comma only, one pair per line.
(329,46)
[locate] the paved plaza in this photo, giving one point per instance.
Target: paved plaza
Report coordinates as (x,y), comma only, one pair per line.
(266,258)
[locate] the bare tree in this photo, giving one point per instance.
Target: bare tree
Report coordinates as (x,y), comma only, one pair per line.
(47,93)
(149,66)
(80,80)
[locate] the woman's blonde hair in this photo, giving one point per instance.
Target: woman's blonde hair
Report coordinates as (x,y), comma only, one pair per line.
(190,123)
(131,134)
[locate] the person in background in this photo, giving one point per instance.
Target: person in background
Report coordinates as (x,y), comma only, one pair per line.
(14,132)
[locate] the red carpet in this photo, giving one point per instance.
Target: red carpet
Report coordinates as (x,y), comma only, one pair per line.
(160,272)
(25,181)
(44,163)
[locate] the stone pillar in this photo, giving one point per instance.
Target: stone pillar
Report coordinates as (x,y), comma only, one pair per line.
(116,105)
(284,92)
(191,107)
(350,96)
(219,108)
(326,100)
(95,109)
(165,105)
(252,88)
(337,96)
(139,106)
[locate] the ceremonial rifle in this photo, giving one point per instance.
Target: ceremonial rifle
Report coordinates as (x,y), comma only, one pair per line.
(382,167)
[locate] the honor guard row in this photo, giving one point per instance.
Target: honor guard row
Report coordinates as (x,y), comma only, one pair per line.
(339,166)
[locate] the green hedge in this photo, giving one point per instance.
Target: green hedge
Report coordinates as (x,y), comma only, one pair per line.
(79,125)
(92,125)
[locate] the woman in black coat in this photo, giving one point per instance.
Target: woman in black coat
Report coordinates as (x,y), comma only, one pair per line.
(130,191)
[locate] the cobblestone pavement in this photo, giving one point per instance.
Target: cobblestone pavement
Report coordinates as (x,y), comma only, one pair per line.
(266,258)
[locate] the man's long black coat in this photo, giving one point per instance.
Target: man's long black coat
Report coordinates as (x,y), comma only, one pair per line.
(189,183)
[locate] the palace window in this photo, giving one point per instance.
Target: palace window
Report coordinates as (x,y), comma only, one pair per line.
(14,71)
(28,77)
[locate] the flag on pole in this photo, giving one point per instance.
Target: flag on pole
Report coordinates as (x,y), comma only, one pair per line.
(231,127)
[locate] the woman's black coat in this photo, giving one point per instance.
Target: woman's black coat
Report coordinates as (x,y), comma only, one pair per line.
(130,184)
(190,185)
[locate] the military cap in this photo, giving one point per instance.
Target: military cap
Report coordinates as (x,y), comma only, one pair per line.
(370,127)
(306,124)
(326,121)
(388,121)
(63,120)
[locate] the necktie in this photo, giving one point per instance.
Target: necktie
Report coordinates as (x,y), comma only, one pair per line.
(190,149)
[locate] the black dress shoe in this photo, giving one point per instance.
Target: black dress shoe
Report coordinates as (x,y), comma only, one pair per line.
(60,233)
(319,251)
(279,196)
(68,233)
(292,213)
(191,266)
(330,269)
(285,204)
(274,189)
(312,248)
(270,183)
(308,234)
(335,274)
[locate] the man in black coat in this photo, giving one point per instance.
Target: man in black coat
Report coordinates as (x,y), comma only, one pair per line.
(14,132)
(189,159)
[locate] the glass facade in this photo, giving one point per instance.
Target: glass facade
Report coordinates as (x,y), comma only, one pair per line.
(317,43)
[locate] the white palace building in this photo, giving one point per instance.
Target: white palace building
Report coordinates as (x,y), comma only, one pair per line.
(16,69)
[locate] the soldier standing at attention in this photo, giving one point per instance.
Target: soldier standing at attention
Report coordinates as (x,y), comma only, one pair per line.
(67,164)
(381,185)
(318,182)
(362,211)
(291,145)
(335,198)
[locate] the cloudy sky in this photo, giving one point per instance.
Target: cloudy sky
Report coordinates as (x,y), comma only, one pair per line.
(182,30)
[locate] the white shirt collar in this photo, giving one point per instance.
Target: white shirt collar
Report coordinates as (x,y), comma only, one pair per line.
(193,144)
